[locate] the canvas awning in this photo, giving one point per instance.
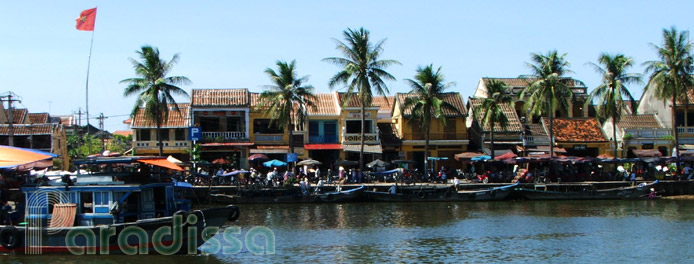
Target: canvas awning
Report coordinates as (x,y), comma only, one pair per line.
(270,149)
(13,157)
(371,149)
(467,155)
(647,153)
(323,146)
(164,163)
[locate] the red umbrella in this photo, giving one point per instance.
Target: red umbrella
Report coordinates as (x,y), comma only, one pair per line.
(221,161)
(258,157)
(507,155)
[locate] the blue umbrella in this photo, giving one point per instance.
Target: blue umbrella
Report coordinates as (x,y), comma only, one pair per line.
(274,163)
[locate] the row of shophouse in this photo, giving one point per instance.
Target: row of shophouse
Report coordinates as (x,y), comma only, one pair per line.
(234,127)
(39,131)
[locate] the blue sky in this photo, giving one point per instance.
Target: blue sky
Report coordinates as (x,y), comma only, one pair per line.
(228,44)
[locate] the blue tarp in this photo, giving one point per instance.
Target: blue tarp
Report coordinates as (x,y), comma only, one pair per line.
(481,158)
(233,173)
(274,163)
(388,172)
(437,158)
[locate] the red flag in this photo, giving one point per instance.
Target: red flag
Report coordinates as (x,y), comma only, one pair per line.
(86,20)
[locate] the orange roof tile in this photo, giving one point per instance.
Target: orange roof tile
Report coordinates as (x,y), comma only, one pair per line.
(576,129)
(176,119)
(38,118)
(124,133)
(518,84)
(326,105)
(514,124)
(638,121)
(385,104)
(353,100)
(18,115)
(28,129)
(237,97)
(452,98)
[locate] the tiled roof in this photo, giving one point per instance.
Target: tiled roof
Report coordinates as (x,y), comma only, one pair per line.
(38,118)
(353,101)
(638,121)
(27,129)
(124,133)
(18,115)
(576,129)
(176,119)
(326,105)
(452,98)
(221,97)
(518,84)
(385,105)
(537,129)
(514,124)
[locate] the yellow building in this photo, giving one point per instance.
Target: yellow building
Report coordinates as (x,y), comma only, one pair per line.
(445,141)
(271,140)
(174,133)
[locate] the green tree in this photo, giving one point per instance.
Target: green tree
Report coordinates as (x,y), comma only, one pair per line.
(548,89)
(154,88)
(671,76)
(427,101)
(78,145)
(492,107)
(287,99)
(612,91)
(362,71)
(120,143)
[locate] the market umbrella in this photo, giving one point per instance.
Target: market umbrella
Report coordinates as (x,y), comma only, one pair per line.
(377,163)
(174,160)
(221,161)
(258,157)
(505,156)
(481,158)
(13,157)
(310,162)
(274,163)
(346,163)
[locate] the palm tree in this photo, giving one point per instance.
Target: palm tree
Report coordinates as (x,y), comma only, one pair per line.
(155,90)
(612,91)
(493,113)
(671,76)
(547,88)
(362,71)
(427,101)
(287,92)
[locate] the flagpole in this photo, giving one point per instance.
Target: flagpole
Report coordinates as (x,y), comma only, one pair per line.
(89,62)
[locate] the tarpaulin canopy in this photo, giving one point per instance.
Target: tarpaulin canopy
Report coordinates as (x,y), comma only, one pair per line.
(467,155)
(507,155)
(162,163)
(274,163)
(309,162)
(13,157)
(377,163)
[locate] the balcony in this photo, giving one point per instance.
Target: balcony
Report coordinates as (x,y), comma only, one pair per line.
(536,140)
(685,131)
(170,144)
(321,139)
(655,133)
(356,138)
(224,136)
(434,136)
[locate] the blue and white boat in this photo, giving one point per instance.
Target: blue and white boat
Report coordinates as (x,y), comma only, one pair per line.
(126,205)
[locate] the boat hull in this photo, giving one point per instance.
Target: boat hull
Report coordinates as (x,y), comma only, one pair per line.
(122,238)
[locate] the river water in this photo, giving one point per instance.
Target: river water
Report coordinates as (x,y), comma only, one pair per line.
(655,231)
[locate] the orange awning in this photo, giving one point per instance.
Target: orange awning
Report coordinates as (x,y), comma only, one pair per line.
(164,163)
(12,157)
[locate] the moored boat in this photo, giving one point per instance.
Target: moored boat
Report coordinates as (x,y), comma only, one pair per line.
(125,207)
(588,192)
(353,195)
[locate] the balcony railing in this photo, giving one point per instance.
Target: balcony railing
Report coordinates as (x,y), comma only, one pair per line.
(356,137)
(534,140)
(651,132)
(685,130)
(269,137)
(167,144)
(323,139)
(435,136)
(224,136)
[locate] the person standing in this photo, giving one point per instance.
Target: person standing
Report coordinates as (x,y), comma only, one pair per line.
(318,173)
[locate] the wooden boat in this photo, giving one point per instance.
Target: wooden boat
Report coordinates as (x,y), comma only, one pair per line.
(491,194)
(588,193)
(115,210)
(353,195)
(386,196)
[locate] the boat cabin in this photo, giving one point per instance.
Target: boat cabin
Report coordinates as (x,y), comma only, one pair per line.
(118,190)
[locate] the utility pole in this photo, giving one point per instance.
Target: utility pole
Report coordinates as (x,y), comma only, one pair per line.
(101,127)
(10,115)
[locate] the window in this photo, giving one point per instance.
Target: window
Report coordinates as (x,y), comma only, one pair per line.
(180,133)
(313,128)
(101,198)
(262,126)
(354,126)
(164,134)
(143,135)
